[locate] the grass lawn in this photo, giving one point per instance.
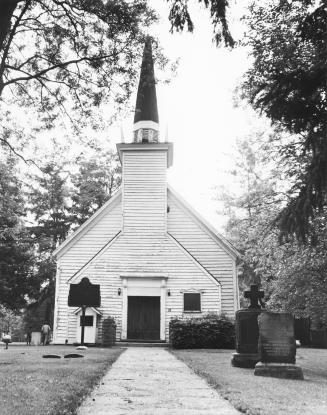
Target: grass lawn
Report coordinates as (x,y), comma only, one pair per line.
(254,395)
(31,385)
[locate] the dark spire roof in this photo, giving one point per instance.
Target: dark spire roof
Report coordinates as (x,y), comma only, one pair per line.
(146,102)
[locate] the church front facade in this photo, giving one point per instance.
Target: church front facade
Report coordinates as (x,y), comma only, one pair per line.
(153,256)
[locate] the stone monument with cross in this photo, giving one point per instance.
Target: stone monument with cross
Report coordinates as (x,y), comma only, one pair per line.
(247,330)
(255,296)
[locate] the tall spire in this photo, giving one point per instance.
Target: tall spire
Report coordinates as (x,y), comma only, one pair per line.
(146,120)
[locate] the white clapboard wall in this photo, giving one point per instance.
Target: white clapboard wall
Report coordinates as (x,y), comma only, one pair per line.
(145,229)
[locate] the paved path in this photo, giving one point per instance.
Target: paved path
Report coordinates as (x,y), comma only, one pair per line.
(151,381)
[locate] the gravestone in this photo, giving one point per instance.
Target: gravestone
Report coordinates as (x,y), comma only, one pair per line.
(277,347)
(247,330)
(36,338)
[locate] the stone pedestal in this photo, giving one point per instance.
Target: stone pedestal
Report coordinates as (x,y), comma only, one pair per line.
(277,347)
(246,360)
(279,370)
(247,335)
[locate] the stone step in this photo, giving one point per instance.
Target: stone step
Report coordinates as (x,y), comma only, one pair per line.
(126,343)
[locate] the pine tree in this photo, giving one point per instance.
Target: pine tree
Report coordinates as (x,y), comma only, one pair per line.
(17,256)
(50,200)
(95,183)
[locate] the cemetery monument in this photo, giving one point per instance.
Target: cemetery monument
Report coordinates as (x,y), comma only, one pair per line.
(247,330)
(277,346)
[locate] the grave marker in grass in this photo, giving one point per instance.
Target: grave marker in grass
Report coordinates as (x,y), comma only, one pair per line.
(277,347)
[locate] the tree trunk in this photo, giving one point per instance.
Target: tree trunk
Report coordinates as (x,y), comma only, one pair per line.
(7,8)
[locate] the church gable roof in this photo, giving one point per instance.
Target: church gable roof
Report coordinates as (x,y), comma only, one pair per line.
(204,224)
(210,230)
(87,225)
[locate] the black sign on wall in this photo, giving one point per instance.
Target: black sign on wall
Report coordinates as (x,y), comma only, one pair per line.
(84,294)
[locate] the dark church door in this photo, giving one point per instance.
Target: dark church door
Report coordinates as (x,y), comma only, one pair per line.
(143,321)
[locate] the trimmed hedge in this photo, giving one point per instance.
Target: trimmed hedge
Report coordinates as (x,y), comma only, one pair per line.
(211,331)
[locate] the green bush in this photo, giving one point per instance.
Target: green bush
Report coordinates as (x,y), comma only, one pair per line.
(211,331)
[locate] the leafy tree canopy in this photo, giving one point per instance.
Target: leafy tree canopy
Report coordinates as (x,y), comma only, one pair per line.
(65,57)
(69,45)
(292,274)
(180,18)
(287,82)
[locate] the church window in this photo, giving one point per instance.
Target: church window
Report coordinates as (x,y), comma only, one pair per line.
(192,302)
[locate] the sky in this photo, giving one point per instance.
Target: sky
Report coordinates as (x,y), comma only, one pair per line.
(197,109)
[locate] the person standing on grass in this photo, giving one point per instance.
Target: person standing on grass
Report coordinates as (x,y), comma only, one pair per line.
(29,336)
(45,333)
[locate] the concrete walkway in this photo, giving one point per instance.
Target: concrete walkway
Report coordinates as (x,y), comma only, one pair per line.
(151,381)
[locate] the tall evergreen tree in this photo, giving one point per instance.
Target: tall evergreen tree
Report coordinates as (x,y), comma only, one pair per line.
(17,278)
(50,206)
(95,183)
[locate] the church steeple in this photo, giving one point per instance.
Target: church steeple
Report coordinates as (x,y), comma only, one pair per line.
(146,120)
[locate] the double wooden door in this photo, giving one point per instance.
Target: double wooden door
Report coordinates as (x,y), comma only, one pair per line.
(143,320)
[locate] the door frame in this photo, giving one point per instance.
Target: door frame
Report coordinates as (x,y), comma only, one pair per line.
(151,285)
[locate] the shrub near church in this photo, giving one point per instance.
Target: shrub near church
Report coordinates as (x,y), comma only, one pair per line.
(211,331)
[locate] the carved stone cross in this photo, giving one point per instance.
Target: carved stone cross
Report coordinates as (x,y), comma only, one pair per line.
(255,296)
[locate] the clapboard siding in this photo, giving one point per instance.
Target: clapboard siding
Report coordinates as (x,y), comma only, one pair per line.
(107,225)
(144,192)
(187,230)
(148,255)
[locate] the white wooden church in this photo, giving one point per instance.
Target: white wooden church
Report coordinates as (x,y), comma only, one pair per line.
(154,257)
